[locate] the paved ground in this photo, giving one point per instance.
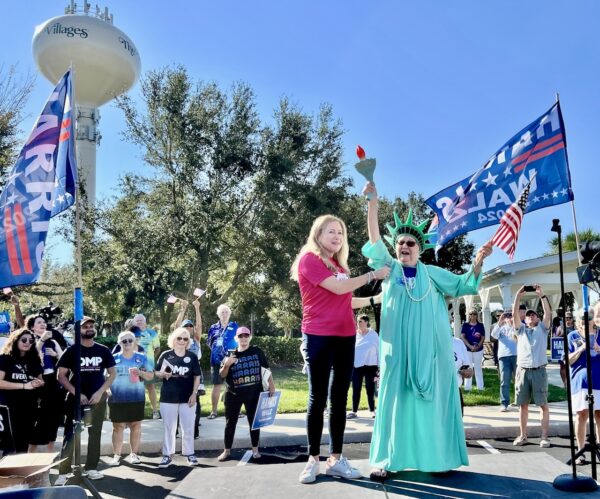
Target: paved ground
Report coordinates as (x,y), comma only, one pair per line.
(497,468)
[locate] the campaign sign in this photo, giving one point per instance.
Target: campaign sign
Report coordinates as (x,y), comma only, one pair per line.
(6,437)
(557,348)
(266,410)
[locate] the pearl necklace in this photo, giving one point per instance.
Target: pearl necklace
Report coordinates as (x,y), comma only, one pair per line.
(412,298)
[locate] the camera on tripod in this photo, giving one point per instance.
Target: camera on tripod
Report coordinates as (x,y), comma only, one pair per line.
(590,271)
(50,312)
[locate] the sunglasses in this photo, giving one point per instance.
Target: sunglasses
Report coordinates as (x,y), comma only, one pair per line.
(31,341)
(243,335)
(189,325)
(179,338)
(126,342)
(409,243)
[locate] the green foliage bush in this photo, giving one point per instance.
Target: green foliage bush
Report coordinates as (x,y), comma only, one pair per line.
(280,352)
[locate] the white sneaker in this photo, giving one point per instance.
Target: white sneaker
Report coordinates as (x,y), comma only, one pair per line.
(61,480)
(342,469)
(545,443)
(351,415)
(503,408)
(310,472)
(115,461)
(94,475)
(134,459)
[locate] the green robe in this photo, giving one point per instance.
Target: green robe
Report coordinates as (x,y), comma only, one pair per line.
(419,423)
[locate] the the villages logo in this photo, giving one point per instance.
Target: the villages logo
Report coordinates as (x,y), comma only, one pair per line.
(127,45)
(70,31)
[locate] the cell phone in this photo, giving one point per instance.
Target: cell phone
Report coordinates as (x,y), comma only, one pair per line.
(464,368)
(529,289)
(231,353)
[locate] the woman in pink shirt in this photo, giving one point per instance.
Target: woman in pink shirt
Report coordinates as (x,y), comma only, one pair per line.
(321,269)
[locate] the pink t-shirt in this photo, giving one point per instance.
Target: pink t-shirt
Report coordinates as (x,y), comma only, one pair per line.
(323,313)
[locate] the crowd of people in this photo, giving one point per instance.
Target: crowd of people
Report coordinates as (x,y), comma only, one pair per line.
(37,385)
(414,365)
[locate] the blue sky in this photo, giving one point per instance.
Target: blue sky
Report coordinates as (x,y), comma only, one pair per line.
(430,88)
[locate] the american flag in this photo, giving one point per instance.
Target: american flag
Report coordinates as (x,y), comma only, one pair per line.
(507,235)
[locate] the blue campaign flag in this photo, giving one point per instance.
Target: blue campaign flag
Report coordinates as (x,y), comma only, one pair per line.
(41,185)
(537,153)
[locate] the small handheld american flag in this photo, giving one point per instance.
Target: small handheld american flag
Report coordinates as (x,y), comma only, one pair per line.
(507,235)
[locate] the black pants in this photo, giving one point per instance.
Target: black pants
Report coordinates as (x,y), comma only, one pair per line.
(94,436)
(369,373)
(330,362)
(233,405)
(23,412)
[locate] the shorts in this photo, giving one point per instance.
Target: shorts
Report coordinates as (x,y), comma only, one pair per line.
(214,373)
(531,385)
(126,412)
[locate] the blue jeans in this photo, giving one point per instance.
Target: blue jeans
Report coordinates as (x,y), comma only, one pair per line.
(330,362)
(508,366)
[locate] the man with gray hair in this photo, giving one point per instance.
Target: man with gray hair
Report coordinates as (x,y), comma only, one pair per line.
(531,380)
(220,339)
(150,342)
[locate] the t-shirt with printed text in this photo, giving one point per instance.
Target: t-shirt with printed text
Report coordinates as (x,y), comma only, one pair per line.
(245,374)
(178,388)
(94,361)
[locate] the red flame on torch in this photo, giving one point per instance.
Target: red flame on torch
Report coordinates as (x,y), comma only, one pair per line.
(360,152)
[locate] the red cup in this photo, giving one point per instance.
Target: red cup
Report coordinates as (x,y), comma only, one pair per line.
(134,376)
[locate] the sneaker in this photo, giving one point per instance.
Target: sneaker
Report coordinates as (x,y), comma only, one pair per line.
(61,480)
(504,408)
(115,461)
(201,389)
(351,415)
(94,475)
(191,460)
(165,462)
(373,414)
(310,472)
(520,441)
(155,415)
(342,469)
(544,443)
(134,459)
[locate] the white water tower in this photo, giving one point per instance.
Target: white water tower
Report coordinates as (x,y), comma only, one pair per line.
(105,64)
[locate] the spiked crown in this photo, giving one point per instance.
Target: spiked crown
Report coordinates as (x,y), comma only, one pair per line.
(408,228)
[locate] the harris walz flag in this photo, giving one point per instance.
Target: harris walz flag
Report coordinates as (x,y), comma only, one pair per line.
(537,154)
(41,185)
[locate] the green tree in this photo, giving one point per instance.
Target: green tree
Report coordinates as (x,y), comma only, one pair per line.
(569,241)
(14,92)
(228,205)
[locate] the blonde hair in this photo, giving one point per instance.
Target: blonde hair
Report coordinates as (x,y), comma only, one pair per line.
(312,245)
(178,331)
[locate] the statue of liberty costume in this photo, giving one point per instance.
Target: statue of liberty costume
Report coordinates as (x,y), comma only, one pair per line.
(418,424)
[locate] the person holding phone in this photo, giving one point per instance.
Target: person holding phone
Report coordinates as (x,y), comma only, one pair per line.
(531,379)
(507,356)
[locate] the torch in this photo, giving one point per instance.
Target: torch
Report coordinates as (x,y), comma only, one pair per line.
(366,167)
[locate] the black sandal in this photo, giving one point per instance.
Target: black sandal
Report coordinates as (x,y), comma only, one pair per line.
(379,475)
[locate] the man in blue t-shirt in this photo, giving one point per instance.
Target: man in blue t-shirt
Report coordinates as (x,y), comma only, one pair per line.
(96,359)
(220,339)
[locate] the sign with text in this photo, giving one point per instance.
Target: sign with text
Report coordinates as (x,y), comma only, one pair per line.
(266,410)
(557,348)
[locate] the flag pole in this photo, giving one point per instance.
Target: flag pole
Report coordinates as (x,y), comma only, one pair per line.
(572,205)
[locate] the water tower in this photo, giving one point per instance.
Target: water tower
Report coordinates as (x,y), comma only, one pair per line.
(105,64)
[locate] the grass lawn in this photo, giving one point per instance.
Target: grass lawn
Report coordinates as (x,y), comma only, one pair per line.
(490,395)
(294,388)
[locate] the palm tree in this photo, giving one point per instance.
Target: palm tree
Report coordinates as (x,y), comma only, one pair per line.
(569,243)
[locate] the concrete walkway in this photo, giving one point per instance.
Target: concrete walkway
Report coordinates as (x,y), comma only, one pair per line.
(481,422)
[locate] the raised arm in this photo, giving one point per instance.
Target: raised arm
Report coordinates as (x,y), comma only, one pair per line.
(198,323)
(545,306)
(20,319)
(181,315)
(372,212)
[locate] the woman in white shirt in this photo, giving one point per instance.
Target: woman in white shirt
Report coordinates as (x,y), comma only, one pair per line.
(366,365)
